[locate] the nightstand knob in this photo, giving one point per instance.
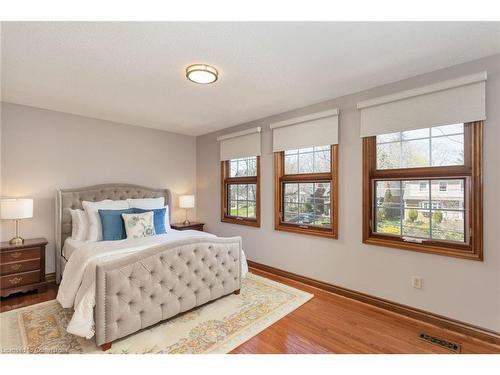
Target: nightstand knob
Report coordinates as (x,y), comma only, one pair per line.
(16,255)
(15,280)
(15,267)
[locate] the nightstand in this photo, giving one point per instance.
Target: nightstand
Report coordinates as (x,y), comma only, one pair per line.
(193,225)
(22,266)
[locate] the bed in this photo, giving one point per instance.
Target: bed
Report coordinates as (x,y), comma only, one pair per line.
(119,287)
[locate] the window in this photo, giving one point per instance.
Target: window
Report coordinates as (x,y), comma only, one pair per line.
(306,191)
(240,200)
(422,190)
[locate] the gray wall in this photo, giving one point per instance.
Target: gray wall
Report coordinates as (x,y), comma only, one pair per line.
(461,289)
(43,150)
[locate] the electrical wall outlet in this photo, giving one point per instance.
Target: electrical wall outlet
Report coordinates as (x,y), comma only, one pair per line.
(416,282)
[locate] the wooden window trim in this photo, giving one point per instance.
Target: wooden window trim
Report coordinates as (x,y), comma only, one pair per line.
(225,182)
(471,171)
(280,178)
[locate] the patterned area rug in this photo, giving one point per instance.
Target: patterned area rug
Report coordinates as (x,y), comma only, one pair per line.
(217,327)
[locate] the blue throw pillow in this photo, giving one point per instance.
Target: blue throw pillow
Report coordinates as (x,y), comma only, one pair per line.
(113,228)
(158,218)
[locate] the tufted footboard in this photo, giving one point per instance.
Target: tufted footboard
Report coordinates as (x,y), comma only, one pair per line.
(139,290)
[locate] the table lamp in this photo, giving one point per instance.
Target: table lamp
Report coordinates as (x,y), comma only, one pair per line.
(186,201)
(16,209)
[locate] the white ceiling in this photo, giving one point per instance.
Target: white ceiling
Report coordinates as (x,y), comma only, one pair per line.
(133,73)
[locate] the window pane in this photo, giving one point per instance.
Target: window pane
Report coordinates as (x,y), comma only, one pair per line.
(437,146)
(415,192)
(306,208)
(322,163)
(306,164)
(242,192)
(291,193)
(415,134)
(252,192)
(291,213)
(233,192)
(252,167)
(416,223)
(242,200)
(233,168)
(308,160)
(243,208)
(448,225)
(233,208)
(322,190)
(252,210)
(322,212)
(388,220)
(423,203)
(321,148)
(243,167)
(292,164)
(448,150)
(305,192)
(447,194)
(415,153)
(389,155)
(307,203)
(447,130)
(388,194)
(389,137)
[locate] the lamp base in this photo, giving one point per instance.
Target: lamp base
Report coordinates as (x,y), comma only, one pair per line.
(16,241)
(186,222)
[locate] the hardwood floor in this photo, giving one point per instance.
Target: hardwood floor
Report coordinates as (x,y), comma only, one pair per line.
(328,323)
(18,300)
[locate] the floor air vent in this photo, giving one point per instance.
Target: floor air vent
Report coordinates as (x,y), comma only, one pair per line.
(454,347)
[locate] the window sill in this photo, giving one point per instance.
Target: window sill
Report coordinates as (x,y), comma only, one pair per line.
(233,220)
(311,231)
(463,252)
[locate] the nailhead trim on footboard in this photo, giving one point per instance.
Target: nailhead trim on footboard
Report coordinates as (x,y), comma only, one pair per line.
(140,290)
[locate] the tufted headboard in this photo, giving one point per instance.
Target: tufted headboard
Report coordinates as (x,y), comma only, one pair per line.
(67,199)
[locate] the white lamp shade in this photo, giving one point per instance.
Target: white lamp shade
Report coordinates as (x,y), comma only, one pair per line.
(16,208)
(186,201)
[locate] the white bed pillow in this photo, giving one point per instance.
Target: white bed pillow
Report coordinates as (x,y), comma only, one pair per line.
(147,203)
(167,218)
(139,225)
(91,208)
(79,225)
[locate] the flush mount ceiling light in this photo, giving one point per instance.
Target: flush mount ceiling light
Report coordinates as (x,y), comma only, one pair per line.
(202,73)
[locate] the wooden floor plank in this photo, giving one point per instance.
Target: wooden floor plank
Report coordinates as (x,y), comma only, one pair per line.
(328,323)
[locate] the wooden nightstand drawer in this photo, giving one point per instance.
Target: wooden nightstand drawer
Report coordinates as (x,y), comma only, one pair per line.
(16,267)
(22,266)
(19,255)
(19,279)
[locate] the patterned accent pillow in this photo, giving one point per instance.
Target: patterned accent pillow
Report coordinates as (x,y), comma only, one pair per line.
(139,225)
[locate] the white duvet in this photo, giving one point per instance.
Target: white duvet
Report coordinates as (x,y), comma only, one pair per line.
(77,287)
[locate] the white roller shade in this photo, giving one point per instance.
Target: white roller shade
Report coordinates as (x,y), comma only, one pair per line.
(241,144)
(449,102)
(317,129)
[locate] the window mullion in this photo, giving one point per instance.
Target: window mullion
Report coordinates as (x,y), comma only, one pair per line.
(430,209)
(401,207)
